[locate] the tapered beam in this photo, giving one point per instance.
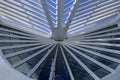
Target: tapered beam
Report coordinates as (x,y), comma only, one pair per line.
(91,59)
(52,73)
(47,13)
(18,41)
(102,49)
(99,32)
(23,51)
(16,36)
(60,7)
(67,64)
(20,46)
(100,55)
(105,39)
(74,9)
(82,64)
(41,61)
(16,32)
(30,57)
(100,43)
(87,40)
(102,35)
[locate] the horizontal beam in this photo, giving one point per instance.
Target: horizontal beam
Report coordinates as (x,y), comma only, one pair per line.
(16,36)
(100,43)
(100,55)
(102,35)
(17,32)
(102,49)
(5,41)
(99,32)
(20,46)
(23,51)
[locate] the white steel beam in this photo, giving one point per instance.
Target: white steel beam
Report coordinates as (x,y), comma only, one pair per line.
(16,32)
(23,51)
(100,55)
(74,9)
(41,61)
(18,41)
(67,64)
(102,49)
(99,43)
(102,35)
(99,32)
(91,59)
(29,57)
(47,13)
(20,46)
(60,6)
(52,73)
(82,64)
(16,36)
(105,39)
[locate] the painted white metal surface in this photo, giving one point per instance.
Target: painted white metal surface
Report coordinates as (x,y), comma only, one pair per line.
(67,36)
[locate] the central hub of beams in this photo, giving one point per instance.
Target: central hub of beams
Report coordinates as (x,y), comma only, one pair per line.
(59,34)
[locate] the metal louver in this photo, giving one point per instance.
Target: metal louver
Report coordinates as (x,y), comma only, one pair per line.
(73,50)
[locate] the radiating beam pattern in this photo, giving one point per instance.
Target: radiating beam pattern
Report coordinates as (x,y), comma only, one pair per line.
(92,55)
(96,55)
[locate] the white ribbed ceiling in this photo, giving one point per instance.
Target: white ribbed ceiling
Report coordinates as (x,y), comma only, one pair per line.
(84,42)
(74,15)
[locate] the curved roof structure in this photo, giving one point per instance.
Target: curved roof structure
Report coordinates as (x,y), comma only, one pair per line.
(44,15)
(61,39)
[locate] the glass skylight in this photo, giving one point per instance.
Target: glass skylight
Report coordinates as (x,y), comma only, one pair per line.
(54,12)
(68,6)
(92,11)
(80,46)
(45,15)
(27,12)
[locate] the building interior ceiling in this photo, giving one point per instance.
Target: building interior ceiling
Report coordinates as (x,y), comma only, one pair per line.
(61,39)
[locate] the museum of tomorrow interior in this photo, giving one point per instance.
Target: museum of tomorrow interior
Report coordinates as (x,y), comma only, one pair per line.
(61,39)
